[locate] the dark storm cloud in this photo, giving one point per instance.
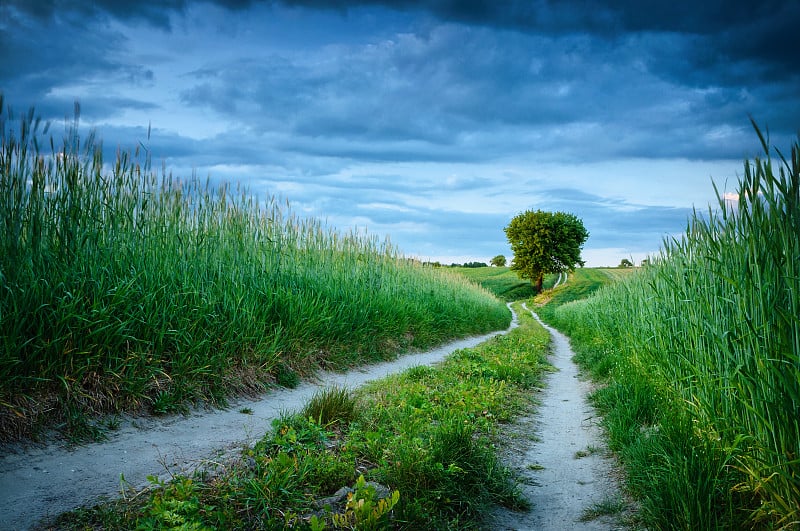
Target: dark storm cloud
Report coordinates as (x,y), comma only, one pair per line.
(764,31)
(612,220)
(461,93)
(745,52)
(453,91)
(154,12)
(40,53)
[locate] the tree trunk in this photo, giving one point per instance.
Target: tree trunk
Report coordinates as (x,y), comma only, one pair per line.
(539,281)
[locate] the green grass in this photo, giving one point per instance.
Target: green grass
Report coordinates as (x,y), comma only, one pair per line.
(330,406)
(428,434)
(700,358)
(504,283)
(606,507)
(581,283)
(123,290)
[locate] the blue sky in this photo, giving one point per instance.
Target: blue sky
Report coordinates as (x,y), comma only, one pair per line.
(431,121)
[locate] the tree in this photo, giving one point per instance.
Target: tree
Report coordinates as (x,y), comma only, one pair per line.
(625,263)
(545,242)
(498,261)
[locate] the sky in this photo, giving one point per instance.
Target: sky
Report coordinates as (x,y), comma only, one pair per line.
(431,122)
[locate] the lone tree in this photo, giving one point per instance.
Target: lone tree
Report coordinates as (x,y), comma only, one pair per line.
(498,261)
(545,242)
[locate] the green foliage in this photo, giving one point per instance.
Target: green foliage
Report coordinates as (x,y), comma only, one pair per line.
(608,506)
(294,433)
(120,288)
(364,511)
(701,352)
(545,242)
(285,376)
(175,505)
(428,435)
(499,261)
(502,282)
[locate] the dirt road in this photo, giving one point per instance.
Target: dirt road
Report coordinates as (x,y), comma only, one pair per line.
(560,454)
(37,483)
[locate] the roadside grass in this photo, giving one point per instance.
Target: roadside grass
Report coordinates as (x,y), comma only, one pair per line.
(502,282)
(417,450)
(698,356)
(122,290)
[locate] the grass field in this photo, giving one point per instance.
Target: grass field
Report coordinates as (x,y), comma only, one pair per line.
(503,282)
(699,359)
(122,290)
(580,284)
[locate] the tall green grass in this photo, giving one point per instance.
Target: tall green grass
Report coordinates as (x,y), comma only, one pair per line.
(705,345)
(121,288)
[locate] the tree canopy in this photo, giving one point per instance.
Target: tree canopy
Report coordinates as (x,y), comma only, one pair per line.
(498,261)
(545,242)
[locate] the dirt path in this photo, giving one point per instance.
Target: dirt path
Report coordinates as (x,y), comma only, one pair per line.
(560,455)
(38,483)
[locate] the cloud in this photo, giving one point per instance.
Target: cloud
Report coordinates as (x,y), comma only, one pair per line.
(737,32)
(157,13)
(412,98)
(431,120)
(559,85)
(51,61)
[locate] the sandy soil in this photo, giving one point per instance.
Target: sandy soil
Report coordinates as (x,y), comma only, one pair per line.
(560,455)
(41,482)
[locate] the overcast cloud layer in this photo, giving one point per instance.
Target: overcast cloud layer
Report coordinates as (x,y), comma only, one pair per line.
(431,121)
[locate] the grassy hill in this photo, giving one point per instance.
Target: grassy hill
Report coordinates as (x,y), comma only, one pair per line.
(506,285)
(122,290)
(501,281)
(581,283)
